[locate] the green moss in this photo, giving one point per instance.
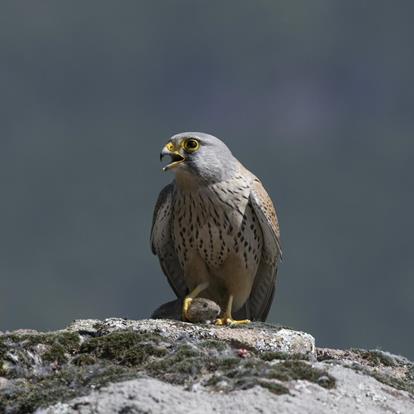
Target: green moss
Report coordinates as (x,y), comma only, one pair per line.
(3,350)
(125,348)
(252,363)
(63,385)
(69,341)
(254,370)
(3,347)
(398,383)
(186,351)
(103,375)
(228,363)
(83,359)
(374,360)
(405,384)
(300,370)
(245,383)
(96,362)
(410,372)
(59,344)
(270,356)
(37,393)
(58,347)
(376,357)
(214,380)
(251,367)
(55,354)
(179,366)
(274,387)
(213,344)
(180,360)
(190,366)
(124,355)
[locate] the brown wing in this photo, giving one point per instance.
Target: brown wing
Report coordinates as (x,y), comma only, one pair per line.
(161,241)
(260,300)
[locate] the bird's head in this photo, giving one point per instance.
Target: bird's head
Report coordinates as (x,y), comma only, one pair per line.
(201,155)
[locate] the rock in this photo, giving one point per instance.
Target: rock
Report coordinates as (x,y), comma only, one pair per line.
(201,311)
(355,393)
(84,326)
(257,336)
(3,382)
(24,332)
(167,366)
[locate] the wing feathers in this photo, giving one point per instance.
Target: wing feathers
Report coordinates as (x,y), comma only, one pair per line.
(262,293)
(161,241)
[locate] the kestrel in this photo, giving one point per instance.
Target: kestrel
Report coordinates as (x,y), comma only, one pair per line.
(215,230)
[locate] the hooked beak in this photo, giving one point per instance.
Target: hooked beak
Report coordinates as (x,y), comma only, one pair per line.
(176,157)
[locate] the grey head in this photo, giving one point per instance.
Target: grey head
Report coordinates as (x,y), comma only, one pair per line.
(200,155)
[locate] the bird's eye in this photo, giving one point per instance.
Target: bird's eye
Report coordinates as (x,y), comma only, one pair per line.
(191,145)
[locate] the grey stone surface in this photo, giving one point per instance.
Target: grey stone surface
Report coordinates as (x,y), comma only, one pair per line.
(84,326)
(258,335)
(165,366)
(354,393)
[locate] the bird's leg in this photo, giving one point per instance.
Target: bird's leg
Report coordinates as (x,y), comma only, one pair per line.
(189,298)
(227,319)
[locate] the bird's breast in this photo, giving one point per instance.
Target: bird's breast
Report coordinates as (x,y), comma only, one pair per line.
(215,222)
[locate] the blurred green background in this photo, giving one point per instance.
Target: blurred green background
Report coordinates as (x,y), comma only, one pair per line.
(316,98)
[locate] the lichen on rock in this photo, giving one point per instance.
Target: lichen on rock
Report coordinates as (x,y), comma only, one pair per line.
(40,369)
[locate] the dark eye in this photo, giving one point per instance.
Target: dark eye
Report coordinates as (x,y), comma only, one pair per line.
(191,145)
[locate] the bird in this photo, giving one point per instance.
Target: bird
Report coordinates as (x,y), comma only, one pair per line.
(215,230)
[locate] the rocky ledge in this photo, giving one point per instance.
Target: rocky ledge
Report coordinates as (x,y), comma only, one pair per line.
(166,366)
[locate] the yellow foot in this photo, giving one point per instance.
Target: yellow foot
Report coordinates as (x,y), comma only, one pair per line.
(186,306)
(231,321)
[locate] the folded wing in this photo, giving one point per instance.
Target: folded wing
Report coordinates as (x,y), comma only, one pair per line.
(260,300)
(162,243)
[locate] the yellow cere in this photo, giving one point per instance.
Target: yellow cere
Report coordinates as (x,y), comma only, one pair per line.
(170,147)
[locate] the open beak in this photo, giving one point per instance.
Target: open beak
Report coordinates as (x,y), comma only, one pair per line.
(176,158)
